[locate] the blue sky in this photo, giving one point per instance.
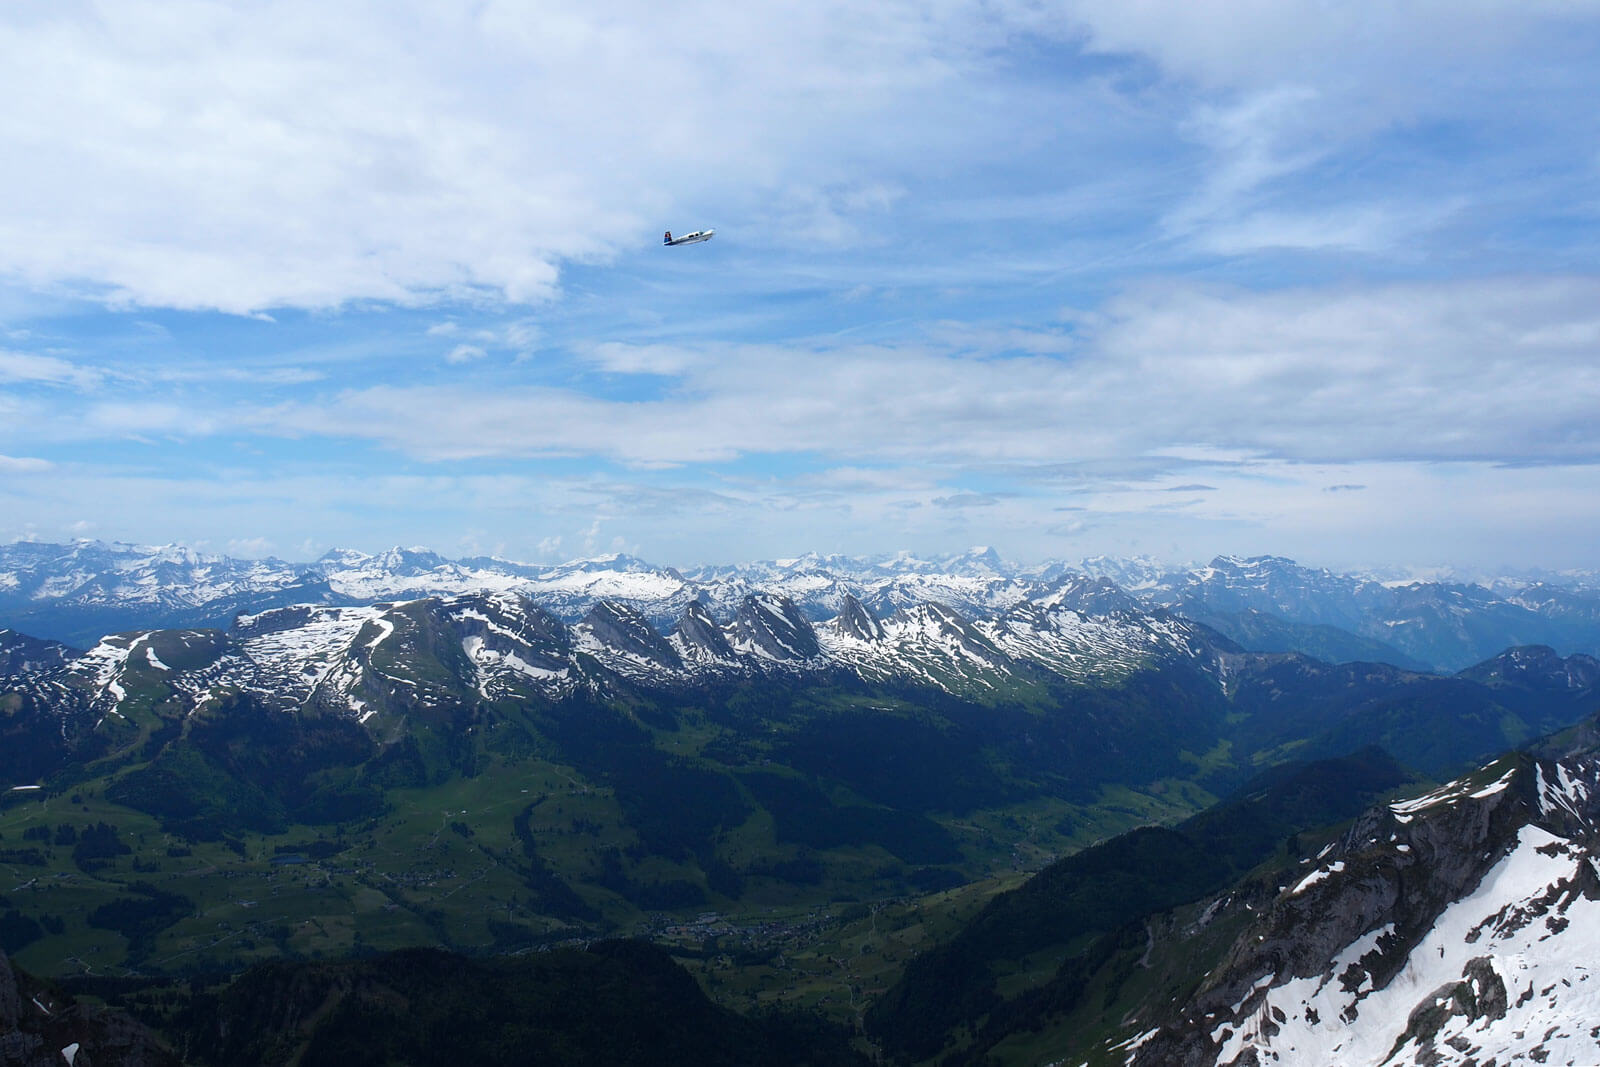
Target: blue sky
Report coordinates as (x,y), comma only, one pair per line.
(1075,278)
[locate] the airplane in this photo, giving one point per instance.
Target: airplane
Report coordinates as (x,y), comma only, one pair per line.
(689,238)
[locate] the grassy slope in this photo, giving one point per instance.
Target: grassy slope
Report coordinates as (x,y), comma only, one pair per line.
(445,865)
(1035,954)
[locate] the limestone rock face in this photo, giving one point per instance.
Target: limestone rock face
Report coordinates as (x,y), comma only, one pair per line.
(621,629)
(699,632)
(856,621)
(772,627)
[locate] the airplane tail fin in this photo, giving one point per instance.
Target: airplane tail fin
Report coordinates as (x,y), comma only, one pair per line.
(667,240)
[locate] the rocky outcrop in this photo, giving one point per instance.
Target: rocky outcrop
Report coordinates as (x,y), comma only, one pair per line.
(512,625)
(626,632)
(854,620)
(1358,914)
(1480,995)
(701,635)
(772,627)
(40,1027)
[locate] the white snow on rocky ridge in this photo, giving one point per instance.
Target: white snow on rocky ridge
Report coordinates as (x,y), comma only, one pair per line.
(1506,972)
(974,581)
(75,592)
(1509,973)
(336,656)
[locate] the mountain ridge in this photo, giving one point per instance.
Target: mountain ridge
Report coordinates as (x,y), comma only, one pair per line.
(1446,924)
(80,591)
(1433,931)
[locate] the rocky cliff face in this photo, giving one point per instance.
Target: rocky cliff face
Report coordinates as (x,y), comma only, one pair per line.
(857,622)
(42,1028)
(1459,927)
(701,637)
(771,627)
(630,639)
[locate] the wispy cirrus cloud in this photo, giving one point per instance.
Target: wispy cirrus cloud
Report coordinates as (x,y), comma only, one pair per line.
(30,368)
(464,354)
(1498,369)
(1483,370)
(24,464)
(1297,104)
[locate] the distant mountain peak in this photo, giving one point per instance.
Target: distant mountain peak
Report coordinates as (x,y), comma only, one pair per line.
(76,592)
(771,626)
(856,621)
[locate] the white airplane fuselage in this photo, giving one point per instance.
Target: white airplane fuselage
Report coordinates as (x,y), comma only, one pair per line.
(689,238)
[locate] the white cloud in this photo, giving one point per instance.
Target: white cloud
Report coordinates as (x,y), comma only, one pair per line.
(1488,369)
(1362,228)
(906,193)
(26,367)
(135,418)
(24,464)
(1226,44)
(210,155)
(966,500)
(251,547)
(1255,142)
(213,372)
(1282,88)
(1499,369)
(464,354)
(620,358)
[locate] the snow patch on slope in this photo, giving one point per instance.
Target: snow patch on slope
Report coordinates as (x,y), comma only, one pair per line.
(1526,928)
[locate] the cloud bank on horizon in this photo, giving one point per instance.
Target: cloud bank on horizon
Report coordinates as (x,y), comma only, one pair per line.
(1068,278)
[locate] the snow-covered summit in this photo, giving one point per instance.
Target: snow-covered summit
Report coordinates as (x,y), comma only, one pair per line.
(355,659)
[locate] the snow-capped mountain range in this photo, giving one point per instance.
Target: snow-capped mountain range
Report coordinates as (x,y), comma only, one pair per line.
(1452,926)
(79,592)
(361,660)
